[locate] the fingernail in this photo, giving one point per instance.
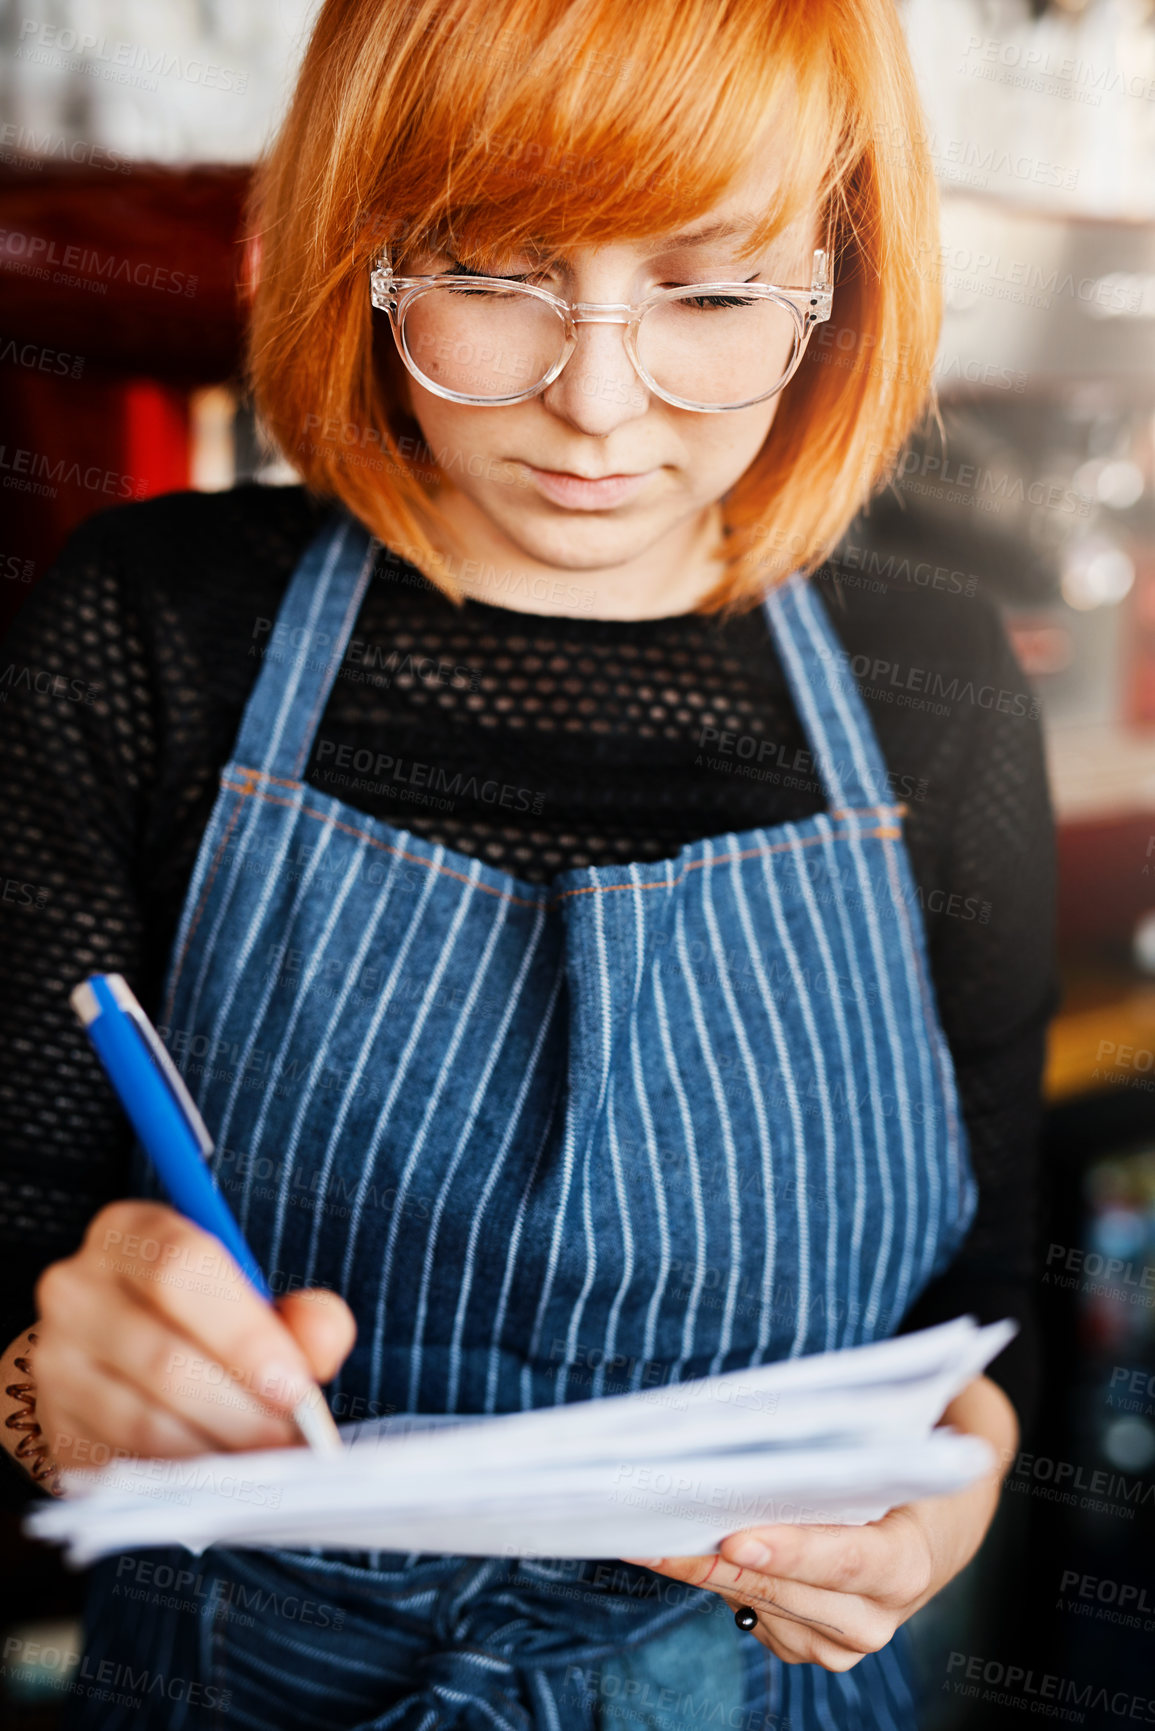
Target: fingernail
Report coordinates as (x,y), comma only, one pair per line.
(750,1552)
(283,1385)
(647,1562)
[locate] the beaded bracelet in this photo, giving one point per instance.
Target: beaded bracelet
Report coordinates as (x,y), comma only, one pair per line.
(32,1449)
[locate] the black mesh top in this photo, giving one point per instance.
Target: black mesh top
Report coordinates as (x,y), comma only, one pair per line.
(122,685)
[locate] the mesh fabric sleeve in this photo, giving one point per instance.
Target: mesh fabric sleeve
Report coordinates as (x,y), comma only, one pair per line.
(993,960)
(77,754)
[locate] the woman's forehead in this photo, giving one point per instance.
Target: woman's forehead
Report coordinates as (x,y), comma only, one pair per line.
(728,226)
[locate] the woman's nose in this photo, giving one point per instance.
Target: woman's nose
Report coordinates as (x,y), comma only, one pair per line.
(597,389)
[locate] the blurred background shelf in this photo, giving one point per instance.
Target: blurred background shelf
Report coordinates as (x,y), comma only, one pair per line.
(1104,1036)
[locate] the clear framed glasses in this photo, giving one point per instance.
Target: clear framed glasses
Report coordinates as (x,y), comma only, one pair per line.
(709,346)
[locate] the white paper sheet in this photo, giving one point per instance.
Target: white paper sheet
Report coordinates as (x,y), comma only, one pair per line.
(835,1437)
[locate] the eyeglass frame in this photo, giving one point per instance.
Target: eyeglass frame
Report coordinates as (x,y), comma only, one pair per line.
(393,294)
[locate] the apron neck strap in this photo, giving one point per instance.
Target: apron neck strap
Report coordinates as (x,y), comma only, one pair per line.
(830,707)
(305,647)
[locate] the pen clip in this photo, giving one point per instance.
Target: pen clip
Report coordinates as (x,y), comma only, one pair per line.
(86,1003)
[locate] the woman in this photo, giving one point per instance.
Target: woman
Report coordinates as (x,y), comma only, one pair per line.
(579,995)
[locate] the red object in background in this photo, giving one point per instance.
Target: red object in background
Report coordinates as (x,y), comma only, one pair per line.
(156,435)
(1042,645)
(1106,878)
(119,294)
(79,447)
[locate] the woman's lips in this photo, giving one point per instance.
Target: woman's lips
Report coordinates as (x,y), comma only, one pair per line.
(582,495)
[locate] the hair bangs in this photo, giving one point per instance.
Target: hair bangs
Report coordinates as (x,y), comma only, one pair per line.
(585,135)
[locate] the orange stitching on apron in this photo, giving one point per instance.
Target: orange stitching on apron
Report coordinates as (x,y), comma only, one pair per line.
(899,810)
(724,859)
(208,884)
(249,789)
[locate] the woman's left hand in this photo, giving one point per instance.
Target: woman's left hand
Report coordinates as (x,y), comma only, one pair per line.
(830,1595)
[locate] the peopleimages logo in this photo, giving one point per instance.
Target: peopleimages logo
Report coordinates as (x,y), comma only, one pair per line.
(45,683)
(878,674)
(1026,281)
(1040,67)
(86,266)
(121,62)
(106,1679)
(384,769)
(973,1675)
(1073,1259)
(41,359)
(1131,1601)
(33,471)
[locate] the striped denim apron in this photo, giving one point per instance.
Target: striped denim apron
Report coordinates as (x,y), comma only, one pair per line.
(551,1142)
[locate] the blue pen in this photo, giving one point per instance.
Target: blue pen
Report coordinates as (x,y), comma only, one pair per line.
(173,1135)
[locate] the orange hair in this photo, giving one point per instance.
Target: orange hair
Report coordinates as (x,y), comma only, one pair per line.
(571,121)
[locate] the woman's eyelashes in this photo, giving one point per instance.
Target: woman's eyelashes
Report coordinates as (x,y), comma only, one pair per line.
(457,268)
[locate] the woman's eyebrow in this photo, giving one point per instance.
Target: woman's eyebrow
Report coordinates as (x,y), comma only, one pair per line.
(731,228)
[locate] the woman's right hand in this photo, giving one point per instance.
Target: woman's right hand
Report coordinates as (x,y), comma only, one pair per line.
(150,1341)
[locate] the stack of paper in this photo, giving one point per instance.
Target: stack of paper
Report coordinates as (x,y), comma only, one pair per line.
(669,1471)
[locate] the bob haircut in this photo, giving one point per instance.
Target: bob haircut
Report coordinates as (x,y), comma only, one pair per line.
(507,122)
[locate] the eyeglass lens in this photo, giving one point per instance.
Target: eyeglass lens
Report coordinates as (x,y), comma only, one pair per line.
(704,349)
